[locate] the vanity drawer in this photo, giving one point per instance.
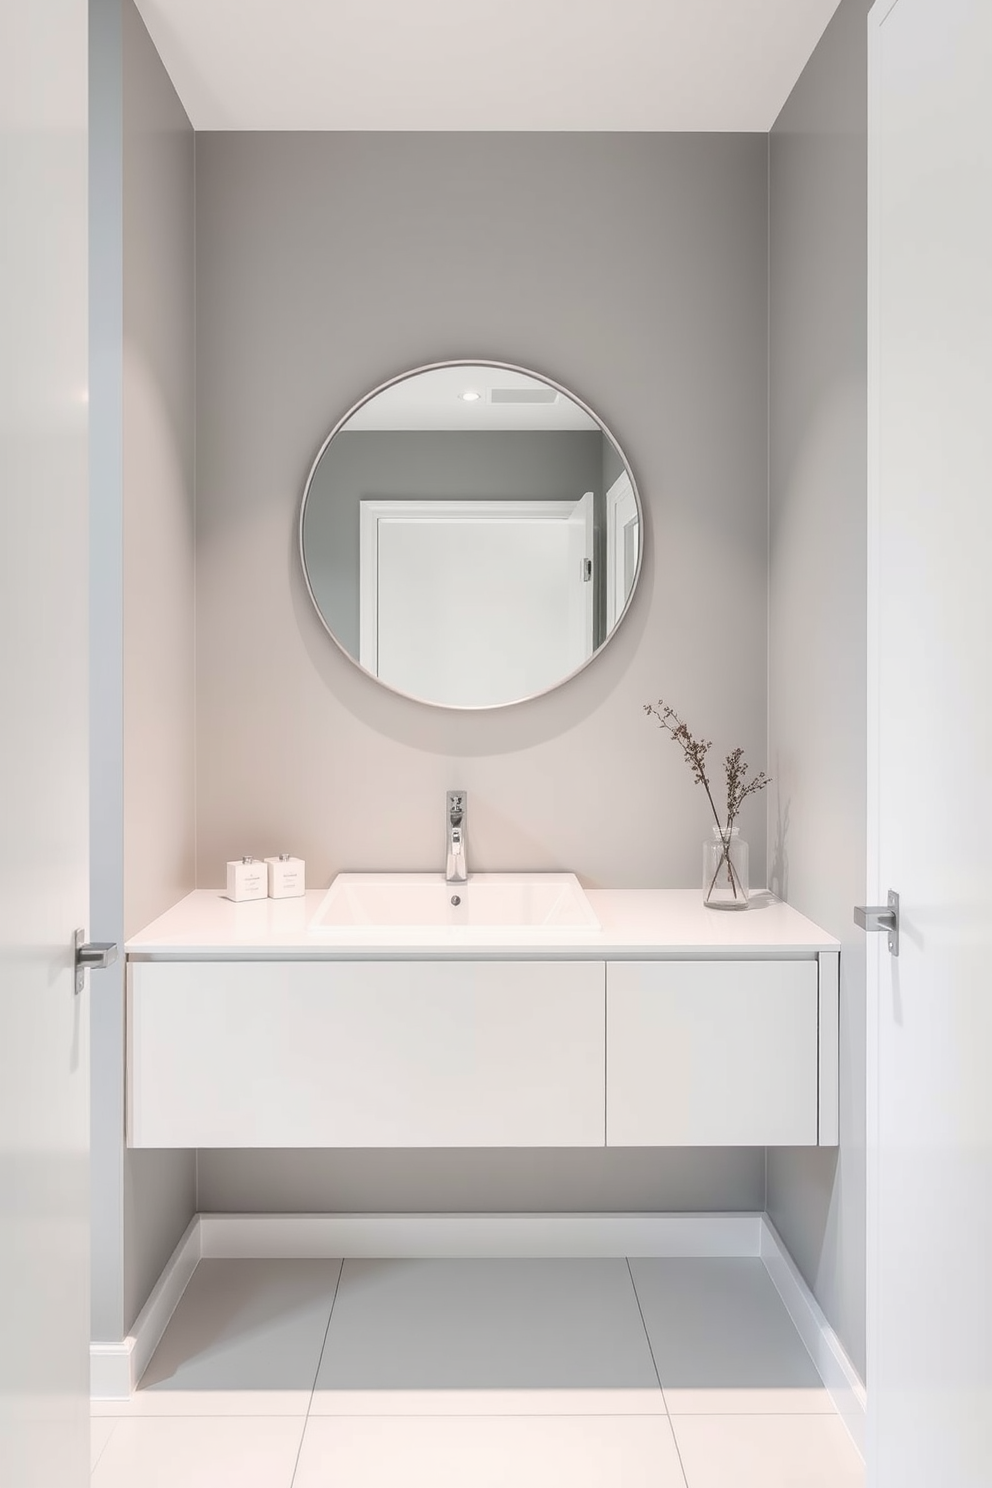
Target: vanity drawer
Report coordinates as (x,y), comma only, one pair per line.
(366,1054)
(712,1053)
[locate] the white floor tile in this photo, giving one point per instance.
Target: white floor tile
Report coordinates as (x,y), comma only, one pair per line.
(245,1340)
(100,1433)
(489,1452)
(722,1340)
(767,1452)
(201,1452)
(480,1337)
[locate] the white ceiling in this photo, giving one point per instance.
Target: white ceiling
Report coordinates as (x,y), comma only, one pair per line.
(485,64)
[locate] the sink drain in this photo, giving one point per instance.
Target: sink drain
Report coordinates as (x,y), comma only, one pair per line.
(456,899)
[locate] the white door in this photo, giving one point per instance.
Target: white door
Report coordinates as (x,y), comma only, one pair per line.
(930,746)
(44,1054)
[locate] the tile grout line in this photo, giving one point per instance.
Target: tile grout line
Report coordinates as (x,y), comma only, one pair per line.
(316,1375)
(106,1444)
(654,1365)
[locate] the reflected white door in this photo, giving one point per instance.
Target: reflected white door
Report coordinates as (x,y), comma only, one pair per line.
(475,603)
(44,1054)
(930,751)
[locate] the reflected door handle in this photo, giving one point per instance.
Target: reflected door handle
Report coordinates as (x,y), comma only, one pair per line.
(881,917)
(92,954)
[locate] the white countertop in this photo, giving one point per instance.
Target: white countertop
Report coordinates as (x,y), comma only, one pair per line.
(635,923)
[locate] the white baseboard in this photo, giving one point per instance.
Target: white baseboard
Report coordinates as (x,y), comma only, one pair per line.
(448,1235)
(111,1370)
(116,1368)
(835,1368)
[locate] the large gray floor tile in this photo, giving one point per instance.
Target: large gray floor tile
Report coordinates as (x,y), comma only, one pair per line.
(489,1452)
(722,1339)
(245,1339)
(478,1336)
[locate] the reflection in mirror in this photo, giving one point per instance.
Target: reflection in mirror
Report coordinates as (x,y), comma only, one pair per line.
(470,534)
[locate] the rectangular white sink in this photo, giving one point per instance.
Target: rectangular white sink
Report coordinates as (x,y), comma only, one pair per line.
(539,903)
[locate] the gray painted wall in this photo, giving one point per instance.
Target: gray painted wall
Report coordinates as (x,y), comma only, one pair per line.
(159,445)
(817,614)
(327,263)
(430,464)
(142,614)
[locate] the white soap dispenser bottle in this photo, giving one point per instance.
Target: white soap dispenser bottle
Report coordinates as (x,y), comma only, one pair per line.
(287,877)
(246,879)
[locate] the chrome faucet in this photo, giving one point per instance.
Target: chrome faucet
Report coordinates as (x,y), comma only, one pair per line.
(456,866)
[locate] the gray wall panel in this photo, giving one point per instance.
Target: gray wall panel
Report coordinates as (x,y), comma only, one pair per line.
(158,502)
(159,416)
(329,262)
(141,690)
(817,611)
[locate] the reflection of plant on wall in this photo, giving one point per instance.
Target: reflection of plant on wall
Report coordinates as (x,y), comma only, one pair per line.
(738,785)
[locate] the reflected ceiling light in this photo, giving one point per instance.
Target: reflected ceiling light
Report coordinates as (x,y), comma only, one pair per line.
(470,397)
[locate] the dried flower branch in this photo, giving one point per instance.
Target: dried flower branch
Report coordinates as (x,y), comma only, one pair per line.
(694,750)
(736,768)
(738,785)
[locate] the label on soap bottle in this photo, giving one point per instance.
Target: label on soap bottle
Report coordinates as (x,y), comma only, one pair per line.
(286,877)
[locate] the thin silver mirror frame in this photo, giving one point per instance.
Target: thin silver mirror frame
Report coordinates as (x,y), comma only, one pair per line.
(501,367)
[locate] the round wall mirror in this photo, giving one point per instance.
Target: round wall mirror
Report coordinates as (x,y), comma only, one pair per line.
(470,534)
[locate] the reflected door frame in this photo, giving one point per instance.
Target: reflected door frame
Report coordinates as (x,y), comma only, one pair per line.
(621,547)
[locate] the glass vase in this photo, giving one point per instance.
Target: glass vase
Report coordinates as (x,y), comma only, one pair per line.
(725,870)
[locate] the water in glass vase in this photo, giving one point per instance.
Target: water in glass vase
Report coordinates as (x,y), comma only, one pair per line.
(725,870)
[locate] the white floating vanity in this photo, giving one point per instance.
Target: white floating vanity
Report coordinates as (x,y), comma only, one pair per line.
(671,1025)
